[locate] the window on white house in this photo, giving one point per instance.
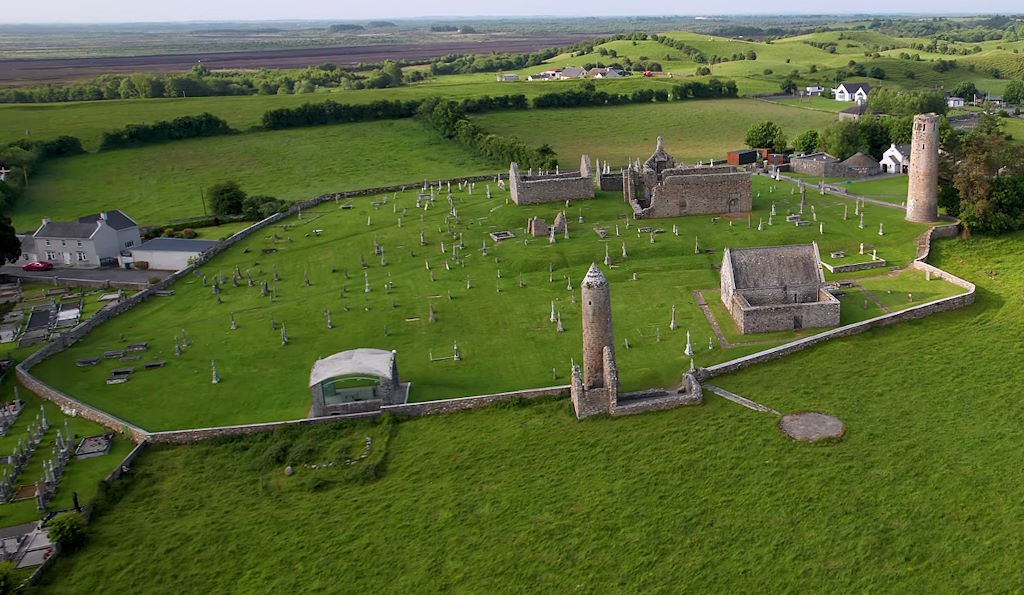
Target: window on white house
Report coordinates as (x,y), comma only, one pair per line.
(51,255)
(129,243)
(83,257)
(47,242)
(79,244)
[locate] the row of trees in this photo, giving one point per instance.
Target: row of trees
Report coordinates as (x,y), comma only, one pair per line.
(587,95)
(448,119)
(200,82)
(332,112)
(134,135)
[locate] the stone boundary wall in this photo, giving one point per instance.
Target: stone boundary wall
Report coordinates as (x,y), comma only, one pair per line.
(914,313)
(61,281)
(406,409)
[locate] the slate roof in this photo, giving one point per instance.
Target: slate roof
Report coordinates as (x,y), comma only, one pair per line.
(176,245)
(115,218)
(83,227)
(66,229)
(860,161)
(852,88)
(775,266)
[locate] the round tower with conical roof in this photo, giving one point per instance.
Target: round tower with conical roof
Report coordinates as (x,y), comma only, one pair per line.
(597,326)
(923,182)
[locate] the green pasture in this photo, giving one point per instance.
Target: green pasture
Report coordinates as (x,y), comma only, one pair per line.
(886,188)
(693,130)
(921,494)
(161,182)
(263,380)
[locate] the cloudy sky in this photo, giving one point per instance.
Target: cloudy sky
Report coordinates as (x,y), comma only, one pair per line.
(94,11)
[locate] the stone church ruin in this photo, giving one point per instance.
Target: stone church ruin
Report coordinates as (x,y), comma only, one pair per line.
(534,189)
(777,288)
(662,188)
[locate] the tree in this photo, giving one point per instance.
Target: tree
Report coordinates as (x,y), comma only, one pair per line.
(10,245)
(766,134)
(226,198)
(966,90)
(66,529)
(841,139)
(806,142)
(788,86)
(876,73)
(1014,92)
(8,582)
(393,71)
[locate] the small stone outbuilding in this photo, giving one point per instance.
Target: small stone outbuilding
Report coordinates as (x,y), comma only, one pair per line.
(777,288)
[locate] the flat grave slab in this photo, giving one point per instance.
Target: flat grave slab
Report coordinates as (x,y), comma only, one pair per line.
(87,361)
(811,426)
(108,297)
(155,364)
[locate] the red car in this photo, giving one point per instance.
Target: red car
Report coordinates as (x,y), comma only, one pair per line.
(39,265)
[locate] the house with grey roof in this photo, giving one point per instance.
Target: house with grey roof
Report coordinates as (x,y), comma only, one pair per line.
(853,92)
(571,72)
(87,242)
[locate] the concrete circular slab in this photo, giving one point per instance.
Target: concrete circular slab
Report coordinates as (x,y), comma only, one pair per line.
(811,426)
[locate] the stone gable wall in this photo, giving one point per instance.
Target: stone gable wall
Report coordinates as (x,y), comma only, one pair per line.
(698,194)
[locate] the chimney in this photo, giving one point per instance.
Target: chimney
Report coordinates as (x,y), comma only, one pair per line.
(46,220)
(103,215)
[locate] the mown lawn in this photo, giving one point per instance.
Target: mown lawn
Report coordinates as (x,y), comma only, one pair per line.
(263,380)
(921,495)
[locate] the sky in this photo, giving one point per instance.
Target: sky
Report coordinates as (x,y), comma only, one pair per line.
(121,11)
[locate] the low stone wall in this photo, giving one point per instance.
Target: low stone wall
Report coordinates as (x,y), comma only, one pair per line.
(83,410)
(66,281)
(609,182)
(855,266)
(405,409)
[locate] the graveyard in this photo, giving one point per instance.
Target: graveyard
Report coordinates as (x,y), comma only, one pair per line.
(369,272)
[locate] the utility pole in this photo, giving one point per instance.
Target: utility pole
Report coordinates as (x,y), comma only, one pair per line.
(202,198)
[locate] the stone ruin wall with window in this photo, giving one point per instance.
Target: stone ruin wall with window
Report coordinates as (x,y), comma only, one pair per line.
(531,190)
(691,191)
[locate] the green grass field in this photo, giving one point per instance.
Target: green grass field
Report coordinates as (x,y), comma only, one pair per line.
(693,130)
(161,182)
(252,356)
(919,496)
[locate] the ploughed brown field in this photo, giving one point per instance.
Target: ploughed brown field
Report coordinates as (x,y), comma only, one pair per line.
(25,71)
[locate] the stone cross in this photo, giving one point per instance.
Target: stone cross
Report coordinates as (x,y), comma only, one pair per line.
(284,335)
(689,347)
(558,321)
(213,366)
(711,344)
(880,232)
(672,325)
(696,245)
(607,257)
(457,356)
(234,325)
(821,228)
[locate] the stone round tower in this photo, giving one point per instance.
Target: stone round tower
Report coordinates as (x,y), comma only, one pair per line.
(597,326)
(923,183)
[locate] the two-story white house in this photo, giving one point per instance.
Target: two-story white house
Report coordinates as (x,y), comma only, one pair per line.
(857,92)
(954,101)
(87,242)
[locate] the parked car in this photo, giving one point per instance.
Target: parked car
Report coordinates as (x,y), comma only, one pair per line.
(39,265)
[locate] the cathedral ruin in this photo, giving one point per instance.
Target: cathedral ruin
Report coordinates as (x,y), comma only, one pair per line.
(662,188)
